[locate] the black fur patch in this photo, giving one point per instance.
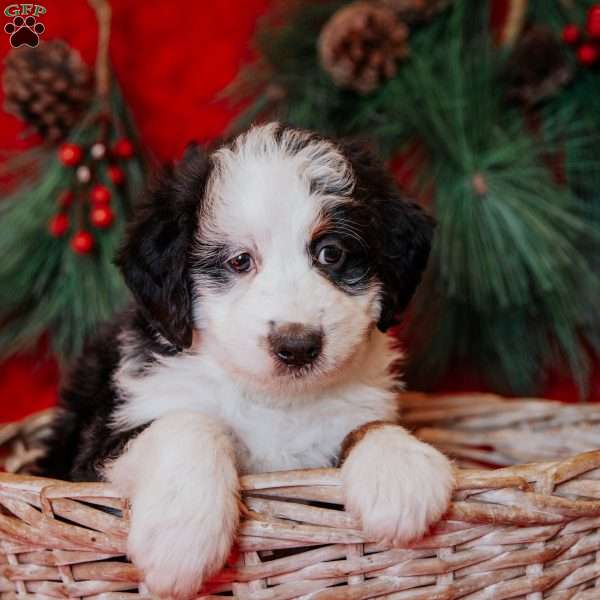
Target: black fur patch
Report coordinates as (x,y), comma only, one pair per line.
(208,266)
(387,237)
(81,438)
(397,234)
(155,259)
(353,275)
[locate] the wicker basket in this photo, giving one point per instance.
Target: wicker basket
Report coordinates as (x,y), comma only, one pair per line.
(529,531)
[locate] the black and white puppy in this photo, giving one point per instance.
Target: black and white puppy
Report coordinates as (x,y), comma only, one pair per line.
(265,276)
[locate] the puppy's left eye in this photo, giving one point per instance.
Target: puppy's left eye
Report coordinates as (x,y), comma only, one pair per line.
(331,255)
(242,263)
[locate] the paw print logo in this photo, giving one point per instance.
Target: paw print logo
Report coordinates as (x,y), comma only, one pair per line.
(24,31)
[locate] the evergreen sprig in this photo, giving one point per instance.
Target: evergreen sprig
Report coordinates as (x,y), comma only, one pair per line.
(512,244)
(44,286)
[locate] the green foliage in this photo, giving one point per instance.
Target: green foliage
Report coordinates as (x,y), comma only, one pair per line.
(557,13)
(574,115)
(511,289)
(289,61)
(44,286)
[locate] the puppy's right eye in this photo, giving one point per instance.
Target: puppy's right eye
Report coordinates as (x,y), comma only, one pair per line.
(242,263)
(331,255)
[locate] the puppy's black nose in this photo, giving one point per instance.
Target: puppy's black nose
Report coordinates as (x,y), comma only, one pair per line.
(296,345)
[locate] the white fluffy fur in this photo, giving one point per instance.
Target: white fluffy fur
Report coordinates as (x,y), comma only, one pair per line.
(274,430)
(225,397)
(180,477)
(396,485)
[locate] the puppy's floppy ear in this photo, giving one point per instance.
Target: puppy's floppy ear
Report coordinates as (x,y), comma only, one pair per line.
(405,245)
(400,232)
(154,258)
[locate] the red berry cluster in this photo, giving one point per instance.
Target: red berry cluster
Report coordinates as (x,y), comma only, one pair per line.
(97,195)
(587,42)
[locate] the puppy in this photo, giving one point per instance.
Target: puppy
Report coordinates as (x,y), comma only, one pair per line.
(265,277)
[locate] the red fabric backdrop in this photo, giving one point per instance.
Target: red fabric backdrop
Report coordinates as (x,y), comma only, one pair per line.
(171,60)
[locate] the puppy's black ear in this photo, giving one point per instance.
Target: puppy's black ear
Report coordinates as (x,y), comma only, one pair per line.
(407,232)
(154,258)
(400,232)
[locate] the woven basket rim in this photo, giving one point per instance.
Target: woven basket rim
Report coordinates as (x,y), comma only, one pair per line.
(522,530)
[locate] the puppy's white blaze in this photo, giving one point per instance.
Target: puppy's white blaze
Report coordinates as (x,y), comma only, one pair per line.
(396,485)
(312,160)
(262,184)
(180,477)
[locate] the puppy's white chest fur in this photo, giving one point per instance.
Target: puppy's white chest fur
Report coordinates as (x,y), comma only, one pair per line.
(271,431)
(309,435)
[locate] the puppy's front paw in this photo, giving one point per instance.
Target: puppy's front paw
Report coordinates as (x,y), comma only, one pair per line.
(396,485)
(178,549)
(179,475)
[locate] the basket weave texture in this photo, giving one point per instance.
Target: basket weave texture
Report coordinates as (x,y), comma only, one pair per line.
(524,531)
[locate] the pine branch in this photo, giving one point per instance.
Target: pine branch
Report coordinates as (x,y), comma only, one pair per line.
(46,287)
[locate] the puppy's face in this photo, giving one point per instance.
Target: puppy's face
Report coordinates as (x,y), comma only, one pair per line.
(281,274)
(282,252)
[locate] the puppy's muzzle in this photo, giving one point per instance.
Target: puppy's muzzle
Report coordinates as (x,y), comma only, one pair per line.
(295,345)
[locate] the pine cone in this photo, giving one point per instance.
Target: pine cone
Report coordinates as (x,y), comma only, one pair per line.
(537,67)
(417,11)
(361,45)
(48,87)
